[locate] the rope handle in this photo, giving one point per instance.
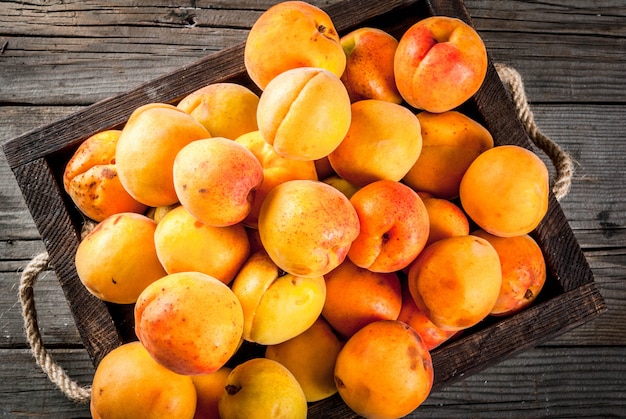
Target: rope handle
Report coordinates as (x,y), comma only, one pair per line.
(72,390)
(55,373)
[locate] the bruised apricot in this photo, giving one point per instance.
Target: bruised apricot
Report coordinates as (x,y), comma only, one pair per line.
(90,179)
(384,371)
(523,271)
(357,296)
(118,258)
(129,383)
(505,191)
(189,322)
(456,281)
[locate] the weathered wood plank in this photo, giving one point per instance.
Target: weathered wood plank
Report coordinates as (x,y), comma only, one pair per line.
(131,45)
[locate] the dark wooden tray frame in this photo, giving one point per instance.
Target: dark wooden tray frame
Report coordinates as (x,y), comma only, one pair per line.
(37,159)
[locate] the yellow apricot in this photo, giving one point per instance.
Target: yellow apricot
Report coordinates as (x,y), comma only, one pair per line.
(304,113)
(225,109)
(118,258)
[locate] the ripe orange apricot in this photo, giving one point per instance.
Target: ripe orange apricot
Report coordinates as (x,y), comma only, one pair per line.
(456,281)
(304,113)
(288,35)
(357,296)
(505,190)
(147,147)
(129,384)
(90,179)
(225,109)
(307,227)
(215,179)
(523,271)
(118,258)
(383,142)
(440,63)
(450,142)
(369,65)
(384,371)
(394,226)
(189,322)
(185,244)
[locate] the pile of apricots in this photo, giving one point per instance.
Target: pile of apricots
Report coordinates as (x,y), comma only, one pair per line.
(348,219)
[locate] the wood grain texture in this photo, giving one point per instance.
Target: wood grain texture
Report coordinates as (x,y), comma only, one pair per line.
(58,57)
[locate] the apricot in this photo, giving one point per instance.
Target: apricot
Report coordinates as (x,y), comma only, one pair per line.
(440,63)
(276,169)
(288,35)
(506,190)
(456,281)
(118,258)
(276,306)
(307,227)
(304,113)
(384,370)
(185,244)
(128,383)
(189,322)
(357,296)
(209,389)
(225,109)
(451,142)
(394,226)
(216,179)
(342,185)
(369,70)
(262,388)
(90,179)
(384,140)
(146,149)
(310,356)
(523,271)
(446,219)
(410,313)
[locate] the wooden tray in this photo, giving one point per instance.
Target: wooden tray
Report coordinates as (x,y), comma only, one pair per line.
(38,158)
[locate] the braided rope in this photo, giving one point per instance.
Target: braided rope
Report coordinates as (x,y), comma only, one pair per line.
(55,373)
(561,186)
(560,159)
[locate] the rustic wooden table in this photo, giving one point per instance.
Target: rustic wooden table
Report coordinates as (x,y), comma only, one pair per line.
(58,57)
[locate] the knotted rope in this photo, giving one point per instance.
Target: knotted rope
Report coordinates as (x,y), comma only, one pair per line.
(509,76)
